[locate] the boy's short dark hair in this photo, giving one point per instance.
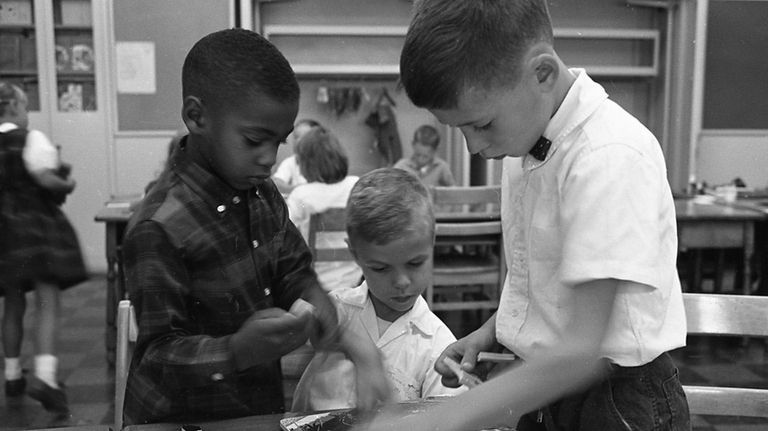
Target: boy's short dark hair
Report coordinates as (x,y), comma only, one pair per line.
(385,204)
(427,135)
(224,65)
(321,157)
(454,44)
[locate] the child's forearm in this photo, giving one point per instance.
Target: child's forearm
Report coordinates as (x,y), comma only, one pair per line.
(52,182)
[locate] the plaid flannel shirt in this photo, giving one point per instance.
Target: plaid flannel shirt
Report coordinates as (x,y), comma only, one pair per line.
(200,258)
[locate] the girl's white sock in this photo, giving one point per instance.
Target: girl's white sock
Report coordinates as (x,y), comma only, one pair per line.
(45,369)
(12,369)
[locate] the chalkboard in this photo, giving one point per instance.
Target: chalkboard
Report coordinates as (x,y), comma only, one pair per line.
(736,74)
(174,26)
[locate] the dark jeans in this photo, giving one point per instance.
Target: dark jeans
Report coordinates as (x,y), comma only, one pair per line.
(648,397)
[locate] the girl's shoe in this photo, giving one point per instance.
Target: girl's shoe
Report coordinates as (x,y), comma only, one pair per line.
(53,399)
(16,387)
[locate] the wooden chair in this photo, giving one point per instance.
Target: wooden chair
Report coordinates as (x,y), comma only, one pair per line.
(332,220)
(127,333)
(470,276)
(727,315)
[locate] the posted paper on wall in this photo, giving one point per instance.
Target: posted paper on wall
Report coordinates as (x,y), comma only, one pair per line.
(135,67)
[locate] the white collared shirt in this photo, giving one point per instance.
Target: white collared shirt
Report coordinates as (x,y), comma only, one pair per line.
(409,348)
(598,206)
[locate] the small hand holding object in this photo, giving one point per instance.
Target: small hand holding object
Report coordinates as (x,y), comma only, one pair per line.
(467,379)
(269,334)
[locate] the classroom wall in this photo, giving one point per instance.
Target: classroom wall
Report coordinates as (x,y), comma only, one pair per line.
(139,154)
(734,132)
(725,155)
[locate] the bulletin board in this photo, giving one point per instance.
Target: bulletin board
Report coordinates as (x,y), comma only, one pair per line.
(173,26)
(736,74)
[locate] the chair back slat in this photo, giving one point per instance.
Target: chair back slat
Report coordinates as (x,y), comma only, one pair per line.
(713,314)
(727,315)
(466,195)
(473,278)
(331,220)
(127,333)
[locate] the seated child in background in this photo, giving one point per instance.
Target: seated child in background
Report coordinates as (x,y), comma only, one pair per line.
(288,173)
(213,263)
(39,249)
(324,164)
(430,169)
(391,229)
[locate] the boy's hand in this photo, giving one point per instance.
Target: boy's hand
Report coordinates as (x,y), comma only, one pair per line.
(464,351)
(267,335)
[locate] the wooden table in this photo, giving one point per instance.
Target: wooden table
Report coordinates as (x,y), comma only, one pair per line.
(718,226)
(272,422)
(115,216)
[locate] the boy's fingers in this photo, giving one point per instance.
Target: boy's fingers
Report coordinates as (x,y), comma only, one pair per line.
(469,360)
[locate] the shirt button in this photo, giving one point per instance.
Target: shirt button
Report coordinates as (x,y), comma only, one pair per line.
(255,243)
(217,377)
(267,291)
(221,208)
(236,200)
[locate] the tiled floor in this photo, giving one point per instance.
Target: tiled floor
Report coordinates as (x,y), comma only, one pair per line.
(90,385)
(82,364)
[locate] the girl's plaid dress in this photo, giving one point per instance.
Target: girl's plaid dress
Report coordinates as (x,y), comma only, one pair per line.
(37,242)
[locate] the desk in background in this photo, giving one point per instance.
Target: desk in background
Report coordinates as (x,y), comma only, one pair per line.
(716,226)
(115,215)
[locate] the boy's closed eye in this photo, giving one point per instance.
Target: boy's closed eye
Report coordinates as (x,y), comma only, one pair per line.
(483,127)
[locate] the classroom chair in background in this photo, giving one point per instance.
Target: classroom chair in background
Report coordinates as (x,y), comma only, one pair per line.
(727,315)
(332,220)
(470,275)
(127,333)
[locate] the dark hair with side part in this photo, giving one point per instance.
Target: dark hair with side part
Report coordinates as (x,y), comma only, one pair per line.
(228,64)
(321,157)
(427,135)
(386,204)
(452,45)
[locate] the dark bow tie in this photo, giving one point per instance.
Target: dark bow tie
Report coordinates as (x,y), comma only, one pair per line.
(539,151)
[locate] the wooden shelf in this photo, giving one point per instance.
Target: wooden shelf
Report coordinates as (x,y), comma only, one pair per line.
(17,27)
(648,37)
(17,72)
(72,28)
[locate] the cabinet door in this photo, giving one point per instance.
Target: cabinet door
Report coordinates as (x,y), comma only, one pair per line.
(18,48)
(74,56)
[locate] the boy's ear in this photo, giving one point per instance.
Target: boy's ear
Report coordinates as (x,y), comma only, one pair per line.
(192,114)
(546,68)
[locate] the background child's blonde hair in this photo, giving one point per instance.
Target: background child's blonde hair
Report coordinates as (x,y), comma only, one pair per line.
(386,204)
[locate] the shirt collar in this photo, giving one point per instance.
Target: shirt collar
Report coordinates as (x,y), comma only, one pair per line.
(213,190)
(581,101)
(416,317)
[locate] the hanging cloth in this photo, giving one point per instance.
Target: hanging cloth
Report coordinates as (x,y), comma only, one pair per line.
(384,124)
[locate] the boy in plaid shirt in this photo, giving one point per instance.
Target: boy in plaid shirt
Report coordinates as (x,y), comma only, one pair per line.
(212,259)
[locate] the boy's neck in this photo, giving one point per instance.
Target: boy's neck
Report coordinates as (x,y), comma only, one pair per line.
(564,83)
